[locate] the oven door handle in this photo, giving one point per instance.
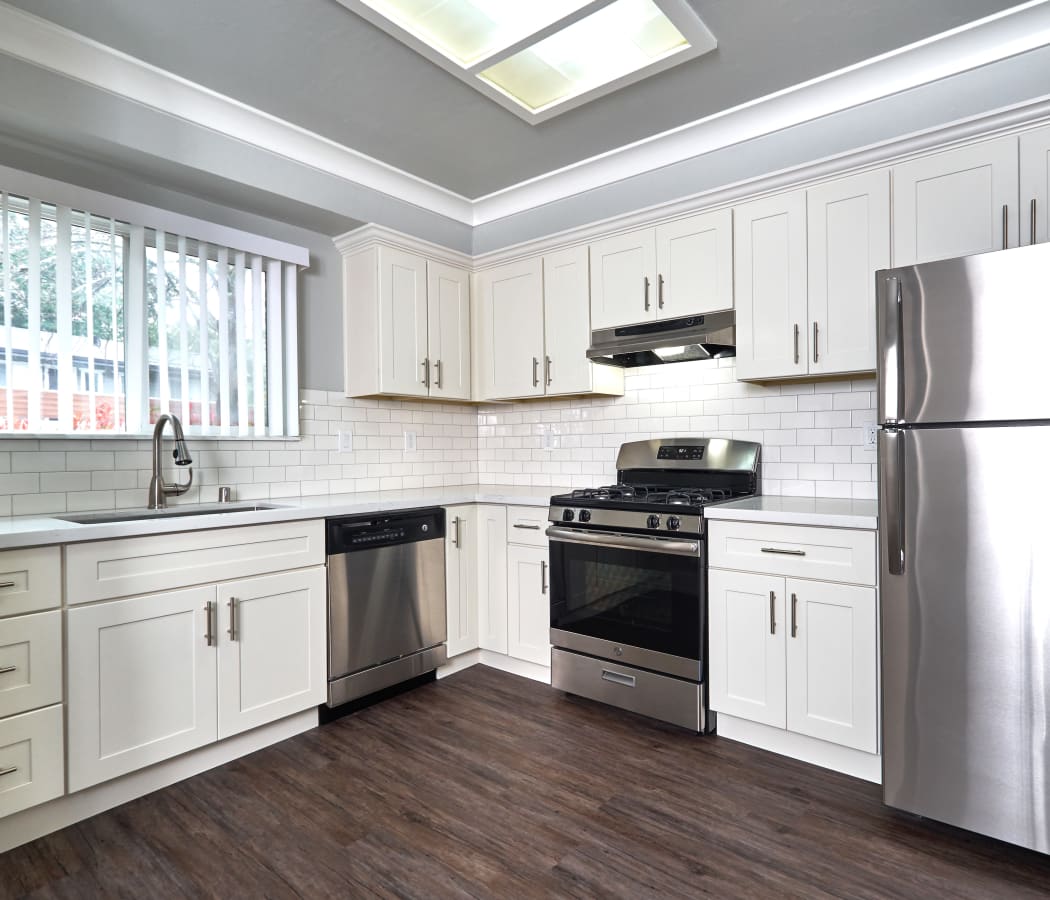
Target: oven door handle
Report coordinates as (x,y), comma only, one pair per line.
(624,541)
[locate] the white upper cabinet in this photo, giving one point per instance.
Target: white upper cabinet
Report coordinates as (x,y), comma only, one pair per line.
(848,223)
(407,325)
(623,279)
(448,317)
(567,321)
(1035,186)
(956,203)
(510,332)
(694,261)
(679,268)
(771,306)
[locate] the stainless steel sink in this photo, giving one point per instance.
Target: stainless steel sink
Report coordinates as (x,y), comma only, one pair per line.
(174,512)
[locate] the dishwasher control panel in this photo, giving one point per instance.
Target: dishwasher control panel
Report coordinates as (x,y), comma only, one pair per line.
(348,534)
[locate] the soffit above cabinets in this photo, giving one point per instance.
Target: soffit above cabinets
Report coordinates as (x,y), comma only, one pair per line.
(542,58)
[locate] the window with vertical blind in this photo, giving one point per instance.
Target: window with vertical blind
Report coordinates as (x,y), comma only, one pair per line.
(107,323)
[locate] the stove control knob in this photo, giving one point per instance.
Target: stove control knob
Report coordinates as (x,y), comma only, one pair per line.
(674,523)
(568,515)
(585,515)
(653,522)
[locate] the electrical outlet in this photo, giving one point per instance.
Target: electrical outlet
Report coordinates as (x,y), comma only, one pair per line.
(870,435)
(410,442)
(550,440)
(345,441)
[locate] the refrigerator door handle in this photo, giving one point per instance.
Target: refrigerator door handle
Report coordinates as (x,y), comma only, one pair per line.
(891,487)
(891,380)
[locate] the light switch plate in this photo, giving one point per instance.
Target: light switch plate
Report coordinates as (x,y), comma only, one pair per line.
(410,442)
(346,441)
(870,435)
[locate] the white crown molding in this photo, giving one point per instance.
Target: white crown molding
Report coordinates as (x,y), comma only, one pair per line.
(978,43)
(42,43)
(49,46)
(369,235)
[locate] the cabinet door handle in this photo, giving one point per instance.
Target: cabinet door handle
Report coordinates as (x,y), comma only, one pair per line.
(8,771)
(527,527)
(660,291)
(1034,219)
(549,363)
(772,612)
(7,670)
(233,619)
(7,584)
(794,615)
(816,332)
(796,343)
(437,374)
(543,576)
(455,536)
(535,371)
(1006,226)
(425,380)
(783,552)
(209,633)
(645,286)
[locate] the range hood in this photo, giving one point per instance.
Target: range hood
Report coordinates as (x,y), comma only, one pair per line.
(670,340)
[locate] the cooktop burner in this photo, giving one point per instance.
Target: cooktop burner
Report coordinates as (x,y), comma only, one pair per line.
(651,494)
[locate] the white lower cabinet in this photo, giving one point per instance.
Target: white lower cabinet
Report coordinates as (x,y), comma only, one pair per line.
(31,759)
(154,676)
(461,578)
(794,653)
(528,604)
(492,578)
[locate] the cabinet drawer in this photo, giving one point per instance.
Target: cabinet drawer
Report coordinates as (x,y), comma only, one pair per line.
(826,554)
(30,580)
(527,525)
(110,569)
(31,769)
(30,662)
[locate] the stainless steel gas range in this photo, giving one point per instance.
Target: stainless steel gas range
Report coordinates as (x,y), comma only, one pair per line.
(628,582)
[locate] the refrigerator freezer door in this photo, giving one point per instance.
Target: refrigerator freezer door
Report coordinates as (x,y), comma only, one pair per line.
(969,340)
(966,630)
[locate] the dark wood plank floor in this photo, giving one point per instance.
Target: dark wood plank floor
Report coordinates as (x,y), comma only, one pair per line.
(487,785)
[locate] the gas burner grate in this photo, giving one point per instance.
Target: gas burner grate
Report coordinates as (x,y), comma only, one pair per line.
(656,494)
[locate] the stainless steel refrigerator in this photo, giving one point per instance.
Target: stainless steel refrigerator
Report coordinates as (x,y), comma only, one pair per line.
(964,534)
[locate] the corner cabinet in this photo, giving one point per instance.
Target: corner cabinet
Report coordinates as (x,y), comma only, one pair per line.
(461,578)
(679,268)
(534,330)
(805,289)
(406,324)
(791,651)
(1035,186)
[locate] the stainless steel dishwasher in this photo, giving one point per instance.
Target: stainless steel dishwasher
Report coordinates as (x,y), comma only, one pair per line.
(386,600)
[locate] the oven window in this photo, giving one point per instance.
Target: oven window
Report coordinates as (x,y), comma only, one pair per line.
(648,600)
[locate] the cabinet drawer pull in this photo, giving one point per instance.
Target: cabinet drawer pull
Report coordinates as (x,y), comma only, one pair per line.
(645,286)
(233,619)
(6,584)
(527,527)
(618,678)
(794,615)
(7,670)
(8,771)
(772,612)
(783,552)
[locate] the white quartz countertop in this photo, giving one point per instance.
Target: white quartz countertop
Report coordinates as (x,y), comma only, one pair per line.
(827,511)
(36,531)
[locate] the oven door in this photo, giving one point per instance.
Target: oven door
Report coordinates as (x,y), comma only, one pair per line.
(634,598)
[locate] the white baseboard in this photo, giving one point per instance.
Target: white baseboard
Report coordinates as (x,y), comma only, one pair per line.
(37,821)
(798,746)
(497,661)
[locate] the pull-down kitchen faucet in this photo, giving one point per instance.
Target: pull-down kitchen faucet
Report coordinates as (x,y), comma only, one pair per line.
(158,490)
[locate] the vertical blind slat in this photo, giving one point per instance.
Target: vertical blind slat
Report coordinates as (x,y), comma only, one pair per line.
(240,323)
(291,347)
(8,282)
(205,356)
(225,396)
(136,354)
(184,341)
(89,301)
(33,336)
(161,240)
(64,315)
(274,347)
(258,348)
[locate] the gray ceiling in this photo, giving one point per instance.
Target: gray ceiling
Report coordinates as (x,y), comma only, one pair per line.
(314,63)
